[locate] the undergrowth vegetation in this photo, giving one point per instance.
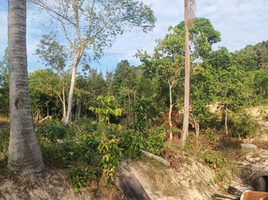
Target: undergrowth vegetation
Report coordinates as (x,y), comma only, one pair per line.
(91,149)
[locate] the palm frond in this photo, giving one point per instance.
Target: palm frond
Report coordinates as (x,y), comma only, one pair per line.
(191,12)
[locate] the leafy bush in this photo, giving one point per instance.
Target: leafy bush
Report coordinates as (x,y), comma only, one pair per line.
(112,154)
(51,130)
(132,142)
(84,124)
(151,141)
(242,125)
(155,139)
(211,159)
(4,141)
(146,112)
(80,177)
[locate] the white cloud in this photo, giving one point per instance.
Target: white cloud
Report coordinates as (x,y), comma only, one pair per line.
(3,32)
(240,22)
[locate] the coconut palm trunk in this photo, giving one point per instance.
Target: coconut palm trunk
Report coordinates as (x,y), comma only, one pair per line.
(189,6)
(24,152)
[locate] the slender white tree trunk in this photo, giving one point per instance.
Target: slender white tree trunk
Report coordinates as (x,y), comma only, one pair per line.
(226,120)
(187,79)
(63,103)
(24,153)
(197,128)
(170,109)
(71,92)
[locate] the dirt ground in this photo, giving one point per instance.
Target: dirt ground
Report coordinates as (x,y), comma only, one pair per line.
(160,183)
(50,184)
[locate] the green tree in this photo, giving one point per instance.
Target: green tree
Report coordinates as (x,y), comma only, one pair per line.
(262,54)
(44,90)
(24,154)
(90,85)
(125,81)
(260,82)
(231,91)
(4,85)
(230,87)
(220,59)
(202,36)
(167,61)
(95,25)
(202,93)
(247,58)
(53,55)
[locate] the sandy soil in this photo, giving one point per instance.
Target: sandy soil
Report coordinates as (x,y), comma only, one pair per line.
(50,184)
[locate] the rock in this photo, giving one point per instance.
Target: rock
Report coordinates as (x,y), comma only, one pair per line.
(248,147)
(131,188)
(238,190)
(251,159)
(262,126)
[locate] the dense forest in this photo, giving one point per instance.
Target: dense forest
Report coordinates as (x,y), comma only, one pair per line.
(114,114)
(147,93)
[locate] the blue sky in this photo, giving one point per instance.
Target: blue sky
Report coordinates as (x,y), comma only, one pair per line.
(240,22)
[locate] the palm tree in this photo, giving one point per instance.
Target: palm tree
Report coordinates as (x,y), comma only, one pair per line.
(24,152)
(190,7)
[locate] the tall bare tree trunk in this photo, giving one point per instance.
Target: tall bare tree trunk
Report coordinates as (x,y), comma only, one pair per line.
(63,103)
(170,108)
(226,120)
(129,106)
(71,92)
(24,153)
(187,78)
(197,128)
(78,109)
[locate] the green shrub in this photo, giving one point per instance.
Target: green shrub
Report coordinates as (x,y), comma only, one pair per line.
(152,141)
(4,141)
(242,125)
(84,124)
(51,130)
(132,142)
(211,159)
(112,155)
(155,139)
(81,176)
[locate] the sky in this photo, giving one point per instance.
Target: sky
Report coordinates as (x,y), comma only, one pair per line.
(240,22)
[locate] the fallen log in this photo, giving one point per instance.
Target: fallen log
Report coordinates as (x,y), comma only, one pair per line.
(131,188)
(158,158)
(46,118)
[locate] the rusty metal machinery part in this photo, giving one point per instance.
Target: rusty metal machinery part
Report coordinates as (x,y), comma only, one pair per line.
(254,195)
(259,181)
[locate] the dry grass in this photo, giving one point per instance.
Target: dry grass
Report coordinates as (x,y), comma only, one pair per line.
(158,174)
(261,144)
(52,183)
(4,119)
(105,191)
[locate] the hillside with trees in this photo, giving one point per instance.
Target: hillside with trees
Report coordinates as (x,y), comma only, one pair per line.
(88,122)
